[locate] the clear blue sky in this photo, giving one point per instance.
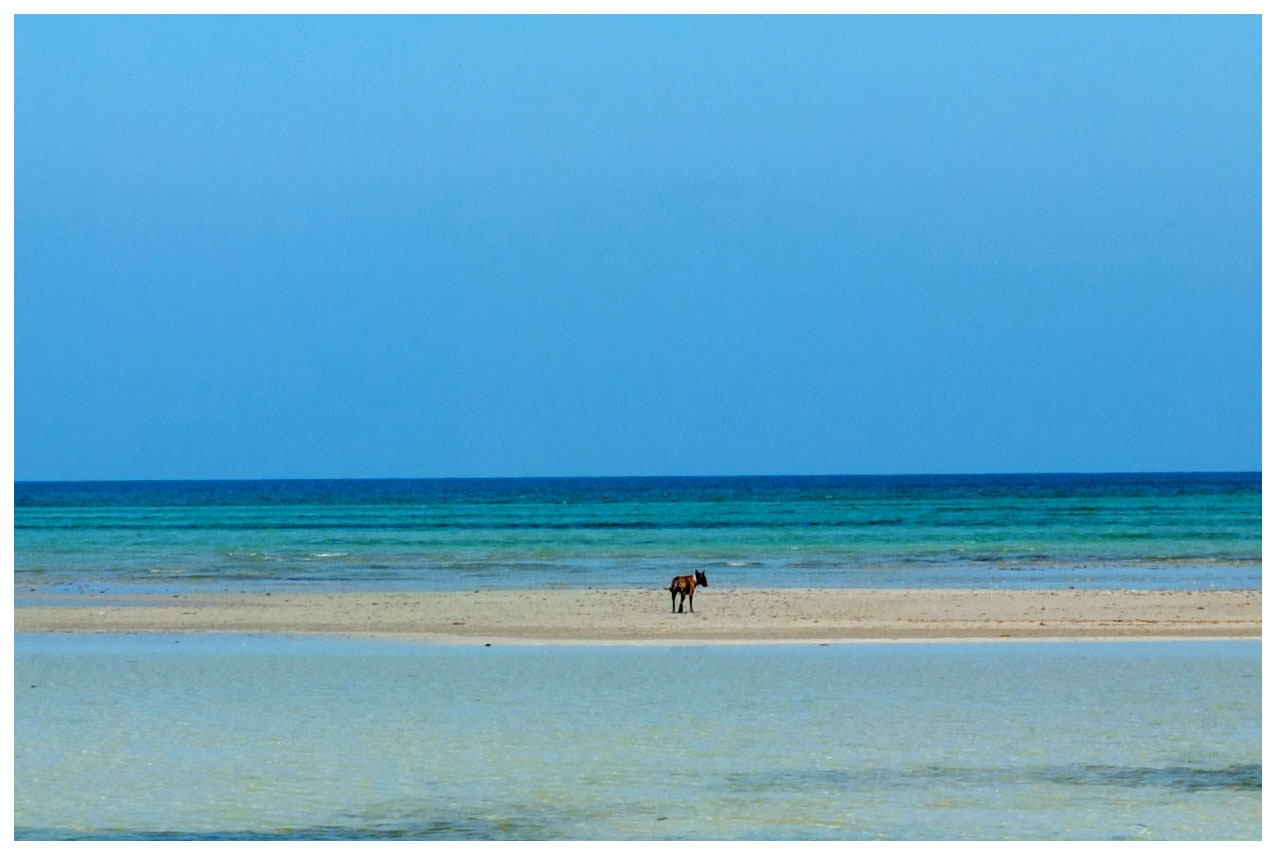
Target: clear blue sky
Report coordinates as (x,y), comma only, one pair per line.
(345,247)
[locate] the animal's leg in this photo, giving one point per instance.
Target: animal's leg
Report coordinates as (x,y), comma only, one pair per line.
(682,598)
(691,601)
(673,598)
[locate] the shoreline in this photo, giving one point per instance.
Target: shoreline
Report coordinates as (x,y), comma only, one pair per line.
(725,616)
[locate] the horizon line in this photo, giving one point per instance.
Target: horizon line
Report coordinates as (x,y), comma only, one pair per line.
(632,477)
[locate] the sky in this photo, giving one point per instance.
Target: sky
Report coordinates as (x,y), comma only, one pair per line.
(269,247)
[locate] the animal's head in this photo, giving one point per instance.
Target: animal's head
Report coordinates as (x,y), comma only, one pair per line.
(702,579)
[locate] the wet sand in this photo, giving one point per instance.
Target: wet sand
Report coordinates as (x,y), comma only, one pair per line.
(723,615)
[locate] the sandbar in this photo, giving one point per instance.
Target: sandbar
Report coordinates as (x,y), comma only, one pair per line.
(629,616)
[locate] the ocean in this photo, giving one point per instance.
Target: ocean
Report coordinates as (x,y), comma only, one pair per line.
(278,737)
(1158,531)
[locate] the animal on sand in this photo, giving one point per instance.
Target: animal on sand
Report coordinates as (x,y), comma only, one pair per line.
(686,586)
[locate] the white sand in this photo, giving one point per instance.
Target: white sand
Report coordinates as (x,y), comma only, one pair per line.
(723,615)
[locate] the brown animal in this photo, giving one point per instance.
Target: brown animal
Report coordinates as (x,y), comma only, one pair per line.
(686,585)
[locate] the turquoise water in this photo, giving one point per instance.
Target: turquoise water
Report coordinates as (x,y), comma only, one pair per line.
(212,736)
(1175,530)
(208,736)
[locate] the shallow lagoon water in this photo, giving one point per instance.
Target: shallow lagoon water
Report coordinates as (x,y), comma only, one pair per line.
(219,736)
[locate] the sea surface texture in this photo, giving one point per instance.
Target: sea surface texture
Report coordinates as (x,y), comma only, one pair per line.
(1167,531)
(252,737)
